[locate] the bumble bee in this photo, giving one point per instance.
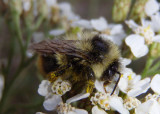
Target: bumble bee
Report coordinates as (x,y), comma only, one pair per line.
(87,59)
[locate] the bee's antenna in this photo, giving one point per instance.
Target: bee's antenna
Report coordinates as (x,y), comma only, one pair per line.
(116,82)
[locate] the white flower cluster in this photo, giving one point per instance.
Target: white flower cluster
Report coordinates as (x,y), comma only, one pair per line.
(147,33)
(101,99)
(60,87)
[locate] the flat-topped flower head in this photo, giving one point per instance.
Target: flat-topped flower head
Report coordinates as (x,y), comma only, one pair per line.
(65,108)
(132,85)
(60,87)
(113,32)
(53,92)
(143,36)
(131,103)
(101,99)
(105,101)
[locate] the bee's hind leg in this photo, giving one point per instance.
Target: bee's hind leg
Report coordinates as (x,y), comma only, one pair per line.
(90,80)
(59,72)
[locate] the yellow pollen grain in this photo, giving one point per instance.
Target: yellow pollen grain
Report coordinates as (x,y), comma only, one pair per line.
(101,101)
(106,105)
(130,77)
(147,28)
(122,75)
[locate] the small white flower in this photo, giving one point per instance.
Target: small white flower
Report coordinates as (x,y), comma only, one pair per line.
(101,99)
(60,87)
(51,3)
(107,102)
(26,5)
(131,102)
(148,107)
(99,24)
(155,22)
(96,110)
(132,85)
(144,35)
(151,7)
(137,45)
(154,96)
(38,36)
(78,97)
(66,11)
(82,23)
(57,32)
(43,89)
(52,101)
(155,84)
(1,85)
(113,32)
(65,108)
(53,92)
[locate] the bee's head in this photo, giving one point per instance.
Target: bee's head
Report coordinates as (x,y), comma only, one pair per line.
(110,71)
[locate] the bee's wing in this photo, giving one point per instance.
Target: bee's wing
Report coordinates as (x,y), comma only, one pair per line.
(66,47)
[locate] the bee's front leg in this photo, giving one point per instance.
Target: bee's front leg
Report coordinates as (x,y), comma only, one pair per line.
(59,72)
(90,80)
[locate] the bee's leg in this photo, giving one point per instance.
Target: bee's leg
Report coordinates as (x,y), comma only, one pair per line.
(55,74)
(90,80)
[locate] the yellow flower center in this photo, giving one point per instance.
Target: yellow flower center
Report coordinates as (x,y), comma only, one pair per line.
(130,77)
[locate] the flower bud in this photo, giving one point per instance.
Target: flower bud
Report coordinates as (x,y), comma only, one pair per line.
(15,7)
(137,11)
(42,8)
(155,50)
(120,10)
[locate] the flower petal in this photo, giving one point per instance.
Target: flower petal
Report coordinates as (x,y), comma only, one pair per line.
(52,102)
(81,111)
(57,32)
(123,84)
(51,2)
(99,86)
(148,107)
(155,83)
(155,22)
(78,97)
(99,24)
(131,24)
(82,23)
(125,61)
(156,38)
(26,5)
(116,29)
(116,103)
(139,88)
(38,36)
(96,110)
(43,87)
(137,45)
(151,7)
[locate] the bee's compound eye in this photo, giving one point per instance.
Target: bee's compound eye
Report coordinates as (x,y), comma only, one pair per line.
(108,74)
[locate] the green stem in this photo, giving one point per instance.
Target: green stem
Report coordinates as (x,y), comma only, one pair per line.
(31,29)
(16,20)
(155,67)
(147,66)
(8,87)
(153,73)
